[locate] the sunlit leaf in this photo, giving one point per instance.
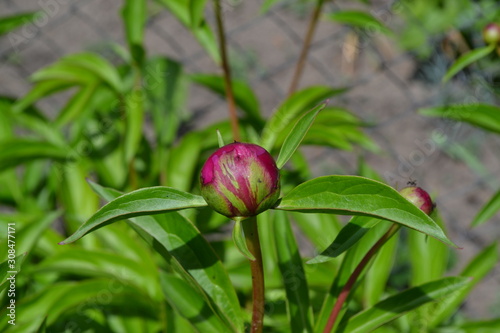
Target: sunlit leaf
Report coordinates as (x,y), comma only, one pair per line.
(353,195)
(397,305)
(359,19)
(146,201)
(134,17)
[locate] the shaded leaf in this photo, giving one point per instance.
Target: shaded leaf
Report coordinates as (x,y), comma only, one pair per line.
(10,23)
(359,19)
(191,305)
(353,195)
(134,18)
(293,275)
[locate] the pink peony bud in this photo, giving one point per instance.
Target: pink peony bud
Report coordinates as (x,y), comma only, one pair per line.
(419,198)
(240,180)
(491,33)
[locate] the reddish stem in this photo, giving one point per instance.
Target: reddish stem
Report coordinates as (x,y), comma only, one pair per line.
(354,276)
(253,243)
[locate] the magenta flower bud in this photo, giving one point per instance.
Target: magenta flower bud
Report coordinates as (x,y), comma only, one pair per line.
(240,180)
(419,198)
(491,33)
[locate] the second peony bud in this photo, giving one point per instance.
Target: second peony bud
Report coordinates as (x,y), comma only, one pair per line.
(240,180)
(419,198)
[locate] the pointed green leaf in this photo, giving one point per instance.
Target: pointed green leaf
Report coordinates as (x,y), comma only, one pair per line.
(134,110)
(296,135)
(294,279)
(353,195)
(240,240)
(481,115)
(467,59)
(178,241)
(220,139)
(14,152)
(39,91)
(353,231)
(134,18)
(291,109)
(13,22)
(191,305)
(146,201)
(77,104)
(397,305)
(359,19)
(244,96)
(476,270)
(488,211)
(182,162)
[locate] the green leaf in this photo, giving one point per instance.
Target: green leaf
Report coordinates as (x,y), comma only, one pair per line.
(353,195)
(486,326)
(39,91)
(266,5)
(14,152)
(488,211)
(290,264)
(296,105)
(397,305)
(466,59)
(296,135)
(146,201)
(196,8)
(359,19)
(13,22)
(134,110)
(240,240)
(134,18)
(77,104)
(191,305)
(178,241)
(66,72)
(182,162)
(244,96)
(480,115)
(477,269)
(7,267)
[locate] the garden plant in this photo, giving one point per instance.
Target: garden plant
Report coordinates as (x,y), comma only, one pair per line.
(117,219)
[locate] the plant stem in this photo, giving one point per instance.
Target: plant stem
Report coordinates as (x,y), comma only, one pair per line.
(305,47)
(355,274)
(253,243)
(227,72)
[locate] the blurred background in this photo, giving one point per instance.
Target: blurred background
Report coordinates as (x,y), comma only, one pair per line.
(392,75)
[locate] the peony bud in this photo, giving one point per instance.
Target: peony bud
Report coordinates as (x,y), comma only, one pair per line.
(240,180)
(491,33)
(419,198)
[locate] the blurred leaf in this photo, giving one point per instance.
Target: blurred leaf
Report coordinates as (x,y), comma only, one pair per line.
(359,19)
(97,65)
(296,135)
(293,275)
(296,105)
(428,257)
(319,228)
(353,195)
(477,269)
(244,96)
(6,267)
(190,13)
(72,297)
(480,115)
(397,305)
(66,72)
(375,280)
(267,4)
(94,263)
(487,326)
(166,89)
(239,240)
(182,162)
(14,152)
(191,305)
(466,59)
(134,18)
(146,201)
(39,91)
(178,241)
(134,110)
(76,105)
(488,211)
(352,232)
(8,23)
